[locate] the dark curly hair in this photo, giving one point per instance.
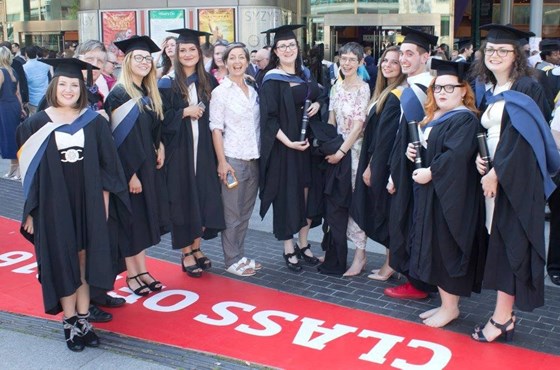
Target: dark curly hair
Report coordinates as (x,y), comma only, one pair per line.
(520,68)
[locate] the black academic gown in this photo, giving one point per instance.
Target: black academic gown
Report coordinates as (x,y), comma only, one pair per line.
(446,250)
(370,205)
(279,183)
(138,156)
(195,201)
(55,242)
(516,249)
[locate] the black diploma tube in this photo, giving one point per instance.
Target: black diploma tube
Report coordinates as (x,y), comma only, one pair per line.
(483,150)
(304,120)
(415,140)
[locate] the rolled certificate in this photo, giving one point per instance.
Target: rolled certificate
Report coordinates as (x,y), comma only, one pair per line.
(304,120)
(415,140)
(483,150)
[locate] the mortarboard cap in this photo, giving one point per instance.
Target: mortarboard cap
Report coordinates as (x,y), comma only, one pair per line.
(445,67)
(549,45)
(416,37)
(285,32)
(461,44)
(71,67)
(500,34)
(188,36)
(137,43)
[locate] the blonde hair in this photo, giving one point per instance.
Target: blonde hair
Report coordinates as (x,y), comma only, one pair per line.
(382,89)
(149,82)
(5,58)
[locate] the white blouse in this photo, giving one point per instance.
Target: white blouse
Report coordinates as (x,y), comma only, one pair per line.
(238,117)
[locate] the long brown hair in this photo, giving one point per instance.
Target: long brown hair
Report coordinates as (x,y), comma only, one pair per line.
(431,107)
(382,88)
(180,80)
(519,69)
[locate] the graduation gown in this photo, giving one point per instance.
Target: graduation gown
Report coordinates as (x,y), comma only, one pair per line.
(516,249)
(194,199)
(48,203)
(279,184)
(446,250)
(138,156)
(370,205)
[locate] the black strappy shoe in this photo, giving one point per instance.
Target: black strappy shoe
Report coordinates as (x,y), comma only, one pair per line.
(292,266)
(192,269)
(300,252)
(141,286)
(507,335)
(155,285)
(203,262)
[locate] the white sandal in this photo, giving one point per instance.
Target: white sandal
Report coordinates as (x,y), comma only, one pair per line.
(251,263)
(241,268)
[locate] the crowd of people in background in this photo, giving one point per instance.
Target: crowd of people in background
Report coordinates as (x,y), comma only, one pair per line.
(424,149)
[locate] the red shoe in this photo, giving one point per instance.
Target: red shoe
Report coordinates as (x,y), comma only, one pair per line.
(405,291)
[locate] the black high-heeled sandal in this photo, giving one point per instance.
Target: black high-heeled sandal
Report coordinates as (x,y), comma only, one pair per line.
(292,266)
(507,335)
(155,285)
(140,290)
(203,262)
(192,269)
(300,252)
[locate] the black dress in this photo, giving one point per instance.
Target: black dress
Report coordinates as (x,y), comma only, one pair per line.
(138,156)
(285,172)
(194,188)
(370,205)
(66,219)
(447,250)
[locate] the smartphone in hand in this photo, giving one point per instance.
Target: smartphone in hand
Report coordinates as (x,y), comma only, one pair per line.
(231,180)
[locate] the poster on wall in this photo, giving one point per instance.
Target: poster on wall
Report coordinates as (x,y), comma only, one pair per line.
(220,22)
(117,26)
(165,19)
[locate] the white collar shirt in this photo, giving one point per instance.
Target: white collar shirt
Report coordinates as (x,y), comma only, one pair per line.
(238,117)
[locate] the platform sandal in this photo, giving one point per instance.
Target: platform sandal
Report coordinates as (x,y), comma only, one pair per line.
(192,269)
(203,262)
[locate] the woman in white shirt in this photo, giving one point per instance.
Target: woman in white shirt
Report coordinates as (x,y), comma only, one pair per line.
(234,121)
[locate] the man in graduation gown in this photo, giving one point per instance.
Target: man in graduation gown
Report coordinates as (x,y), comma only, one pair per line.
(414,56)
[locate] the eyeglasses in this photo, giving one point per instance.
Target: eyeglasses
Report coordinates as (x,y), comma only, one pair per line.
(115,64)
(140,58)
(447,88)
(348,60)
(501,52)
(283,48)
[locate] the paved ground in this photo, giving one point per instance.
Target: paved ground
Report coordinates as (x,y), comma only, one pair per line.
(539,330)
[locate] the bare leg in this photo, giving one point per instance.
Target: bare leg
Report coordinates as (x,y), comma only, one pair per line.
(502,314)
(358,263)
(448,311)
(82,294)
(289,249)
(134,266)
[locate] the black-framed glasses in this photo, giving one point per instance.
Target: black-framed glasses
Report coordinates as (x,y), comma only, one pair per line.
(140,58)
(284,47)
(501,52)
(447,88)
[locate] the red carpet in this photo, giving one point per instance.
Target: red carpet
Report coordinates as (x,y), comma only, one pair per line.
(244,321)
